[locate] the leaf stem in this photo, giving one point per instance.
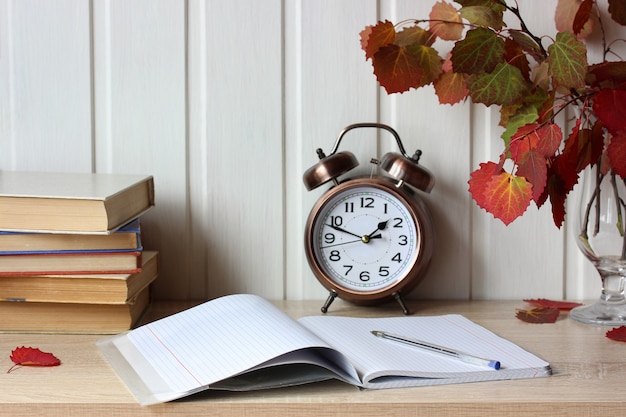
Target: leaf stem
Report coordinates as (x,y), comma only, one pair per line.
(524,27)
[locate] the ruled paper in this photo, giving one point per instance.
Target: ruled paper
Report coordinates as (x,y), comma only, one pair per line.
(219,339)
(374,357)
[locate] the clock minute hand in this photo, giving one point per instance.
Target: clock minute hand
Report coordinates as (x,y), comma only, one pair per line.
(339,229)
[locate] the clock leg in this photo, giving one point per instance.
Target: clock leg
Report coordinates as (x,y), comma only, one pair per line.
(331,297)
(400,301)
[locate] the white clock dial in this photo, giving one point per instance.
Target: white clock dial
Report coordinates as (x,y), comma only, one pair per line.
(365,238)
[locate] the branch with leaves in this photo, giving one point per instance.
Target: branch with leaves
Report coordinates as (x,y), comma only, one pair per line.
(492,64)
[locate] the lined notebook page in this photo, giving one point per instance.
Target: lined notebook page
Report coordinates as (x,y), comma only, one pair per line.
(216,340)
(374,357)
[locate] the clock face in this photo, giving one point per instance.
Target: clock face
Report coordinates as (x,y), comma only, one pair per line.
(365,238)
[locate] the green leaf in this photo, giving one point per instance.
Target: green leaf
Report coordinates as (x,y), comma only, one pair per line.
(504,85)
(482,16)
(568,61)
(525,115)
(481,51)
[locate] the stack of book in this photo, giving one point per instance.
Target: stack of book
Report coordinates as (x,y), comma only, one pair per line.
(71,256)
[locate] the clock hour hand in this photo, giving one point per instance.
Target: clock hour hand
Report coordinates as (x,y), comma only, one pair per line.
(381,226)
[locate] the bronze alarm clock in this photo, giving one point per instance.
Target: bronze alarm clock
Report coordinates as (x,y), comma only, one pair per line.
(369,239)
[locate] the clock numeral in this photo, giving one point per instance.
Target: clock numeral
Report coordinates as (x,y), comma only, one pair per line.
(385,208)
(329,238)
(403,240)
(398,222)
(349,207)
(383,271)
(367,202)
(364,276)
(348,269)
(397,258)
(335,256)
(336,220)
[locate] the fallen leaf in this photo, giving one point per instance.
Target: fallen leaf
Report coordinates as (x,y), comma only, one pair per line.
(618,334)
(561,305)
(538,315)
(29,356)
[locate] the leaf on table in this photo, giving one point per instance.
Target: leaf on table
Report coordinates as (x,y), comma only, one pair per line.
(618,334)
(538,315)
(29,356)
(543,302)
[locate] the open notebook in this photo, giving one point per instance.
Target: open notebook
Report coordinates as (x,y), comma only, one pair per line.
(243,342)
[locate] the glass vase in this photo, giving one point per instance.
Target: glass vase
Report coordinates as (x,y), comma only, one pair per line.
(600,236)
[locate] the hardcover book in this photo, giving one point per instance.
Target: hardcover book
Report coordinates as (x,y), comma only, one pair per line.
(127,238)
(72,202)
(103,262)
(73,318)
(243,342)
(94,288)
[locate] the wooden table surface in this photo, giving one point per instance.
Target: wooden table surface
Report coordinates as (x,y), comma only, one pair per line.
(591,378)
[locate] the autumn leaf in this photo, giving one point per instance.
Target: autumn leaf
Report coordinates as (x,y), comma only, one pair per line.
(29,356)
(616,152)
(532,166)
(618,334)
(617,10)
(568,61)
(562,177)
(479,179)
(565,15)
(514,55)
(543,302)
(483,16)
(504,85)
(375,37)
(538,315)
(607,74)
(450,88)
(503,195)
(545,139)
(582,16)
(610,107)
(479,52)
(400,68)
(583,147)
(445,22)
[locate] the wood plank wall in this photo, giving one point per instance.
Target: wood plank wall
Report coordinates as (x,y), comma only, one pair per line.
(225,102)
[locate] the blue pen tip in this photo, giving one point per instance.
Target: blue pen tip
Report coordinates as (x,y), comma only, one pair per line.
(494,364)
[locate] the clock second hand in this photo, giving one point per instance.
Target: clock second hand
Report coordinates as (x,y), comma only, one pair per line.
(378,236)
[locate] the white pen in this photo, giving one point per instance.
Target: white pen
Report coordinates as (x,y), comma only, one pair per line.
(451,353)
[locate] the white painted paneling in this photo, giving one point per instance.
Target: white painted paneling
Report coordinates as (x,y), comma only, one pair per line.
(46,85)
(140,110)
(225,102)
(236,146)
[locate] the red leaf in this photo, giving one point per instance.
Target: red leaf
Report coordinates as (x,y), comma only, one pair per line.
(375,37)
(399,68)
(28,356)
(561,305)
(617,153)
(450,88)
(582,16)
(539,315)
(445,22)
(610,107)
(617,9)
(618,334)
(479,180)
(532,166)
